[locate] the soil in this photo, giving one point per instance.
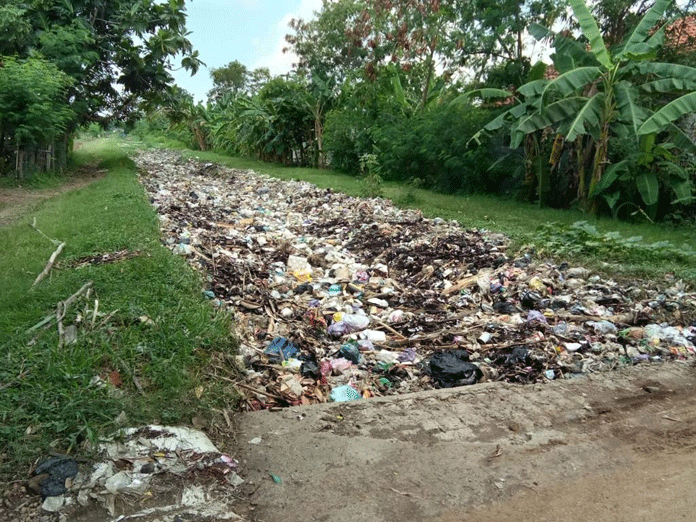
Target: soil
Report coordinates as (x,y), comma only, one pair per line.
(611,447)
(16,202)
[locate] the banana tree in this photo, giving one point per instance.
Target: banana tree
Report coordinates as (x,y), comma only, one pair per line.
(601,92)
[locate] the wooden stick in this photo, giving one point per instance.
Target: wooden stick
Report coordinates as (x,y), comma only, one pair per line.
(94,313)
(49,265)
(260,392)
(60,313)
(54,241)
(41,323)
(70,300)
(389,328)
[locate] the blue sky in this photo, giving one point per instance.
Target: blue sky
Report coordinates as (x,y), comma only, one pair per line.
(251,31)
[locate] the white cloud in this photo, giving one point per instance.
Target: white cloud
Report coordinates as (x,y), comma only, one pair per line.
(277,61)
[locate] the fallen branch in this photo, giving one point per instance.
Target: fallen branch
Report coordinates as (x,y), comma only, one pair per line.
(54,241)
(390,329)
(260,392)
(49,265)
(60,313)
(68,302)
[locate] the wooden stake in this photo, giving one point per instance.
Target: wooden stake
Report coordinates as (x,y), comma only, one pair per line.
(49,265)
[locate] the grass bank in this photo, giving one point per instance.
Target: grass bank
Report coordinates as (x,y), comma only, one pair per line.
(142,358)
(621,249)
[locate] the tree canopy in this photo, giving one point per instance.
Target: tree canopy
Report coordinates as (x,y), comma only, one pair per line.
(117,53)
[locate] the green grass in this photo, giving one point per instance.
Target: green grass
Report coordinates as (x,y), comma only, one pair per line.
(46,400)
(525,223)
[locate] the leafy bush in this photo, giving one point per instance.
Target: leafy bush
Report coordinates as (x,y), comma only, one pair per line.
(347,137)
(433,146)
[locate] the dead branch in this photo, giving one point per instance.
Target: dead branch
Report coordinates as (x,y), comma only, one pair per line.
(54,241)
(60,313)
(49,265)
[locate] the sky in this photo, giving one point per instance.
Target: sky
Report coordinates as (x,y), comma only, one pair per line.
(250,31)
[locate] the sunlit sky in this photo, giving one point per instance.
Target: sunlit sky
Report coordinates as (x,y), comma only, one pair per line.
(251,31)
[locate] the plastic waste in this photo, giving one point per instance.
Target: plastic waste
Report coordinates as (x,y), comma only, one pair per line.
(339,329)
(340,365)
(344,393)
(356,322)
(309,369)
(535,317)
(452,368)
(58,469)
(375,336)
(281,349)
(408,355)
(519,355)
(603,327)
(561,328)
(351,352)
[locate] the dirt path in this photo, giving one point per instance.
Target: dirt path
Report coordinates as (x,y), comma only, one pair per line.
(612,447)
(16,202)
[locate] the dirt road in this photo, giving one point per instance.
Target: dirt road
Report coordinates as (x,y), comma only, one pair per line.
(611,447)
(17,202)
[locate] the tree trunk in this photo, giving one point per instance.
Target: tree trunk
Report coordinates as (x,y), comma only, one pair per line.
(319,136)
(428,78)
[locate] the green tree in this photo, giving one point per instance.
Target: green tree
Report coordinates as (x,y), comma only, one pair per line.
(33,107)
(118,52)
(602,93)
(233,78)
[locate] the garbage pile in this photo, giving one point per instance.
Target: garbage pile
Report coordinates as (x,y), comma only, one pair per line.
(341,298)
(137,464)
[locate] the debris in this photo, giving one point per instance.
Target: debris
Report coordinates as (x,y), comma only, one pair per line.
(49,265)
(344,393)
(453,368)
(280,349)
(330,291)
(57,471)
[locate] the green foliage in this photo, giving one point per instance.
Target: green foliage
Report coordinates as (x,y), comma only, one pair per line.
(117,52)
(48,399)
(347,137)
(602,93)
(433,146)
(372,179)
(582,238)
(33,106)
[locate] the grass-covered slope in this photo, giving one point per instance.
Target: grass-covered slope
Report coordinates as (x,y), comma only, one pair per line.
(152,338)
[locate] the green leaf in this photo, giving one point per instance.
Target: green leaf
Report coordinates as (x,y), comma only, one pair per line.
(667,70)
(399,94)
(551,114)
(629,111)
(612,199)
(590,114)
(571,54)
(681,188)
(571,81)
(681,139)
(610,175)
(669,113)
(646,25)
(649,187)
(669,85)
(591,31)
(533,88)
(539,32)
